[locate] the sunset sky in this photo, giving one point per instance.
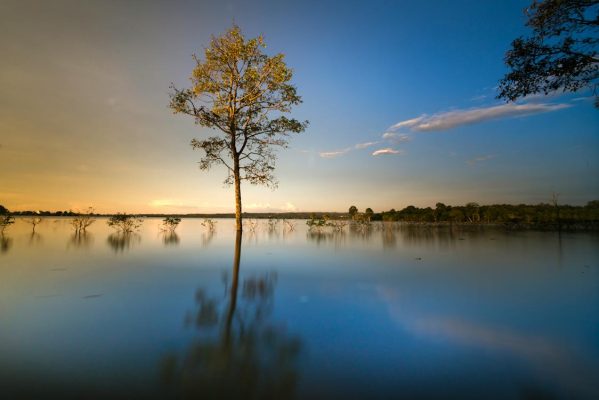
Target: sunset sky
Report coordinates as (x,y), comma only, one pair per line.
(400,96)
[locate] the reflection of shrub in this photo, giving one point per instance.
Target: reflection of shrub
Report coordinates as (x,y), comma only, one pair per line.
(290,225)
(272,223)
(5,243)
(5,222)
(125,223)
(169,224)
(252,224)
(170,238)
(122,241)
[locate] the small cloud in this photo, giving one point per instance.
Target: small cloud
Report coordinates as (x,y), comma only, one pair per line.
(333,154)
(480,159)
(365,145)
(289,207)
(479,98)
(170,203)
(396,137)
(387,150)
(257,206)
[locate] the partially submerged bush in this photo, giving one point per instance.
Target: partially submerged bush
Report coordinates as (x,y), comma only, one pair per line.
(34,221)
(125,223)
(169,224)
(5,222)
(81,222)
(325,221)
(210,224)
(316,223)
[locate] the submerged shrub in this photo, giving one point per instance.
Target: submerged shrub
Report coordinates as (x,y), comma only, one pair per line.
(169,224)
(125,223)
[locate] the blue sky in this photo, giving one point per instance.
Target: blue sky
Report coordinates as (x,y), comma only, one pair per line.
(97,74)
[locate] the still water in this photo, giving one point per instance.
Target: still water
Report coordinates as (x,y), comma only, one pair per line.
(393,312)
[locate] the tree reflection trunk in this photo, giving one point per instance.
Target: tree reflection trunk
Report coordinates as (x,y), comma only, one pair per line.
(234,287)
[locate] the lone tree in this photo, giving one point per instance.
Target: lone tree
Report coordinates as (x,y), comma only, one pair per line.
(561,54)
(243,93)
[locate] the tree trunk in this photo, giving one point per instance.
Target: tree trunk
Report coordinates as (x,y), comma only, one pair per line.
(238,222)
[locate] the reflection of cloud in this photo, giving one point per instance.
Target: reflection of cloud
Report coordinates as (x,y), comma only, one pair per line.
(480,159)
(451,119)
(550,357)
(387,150)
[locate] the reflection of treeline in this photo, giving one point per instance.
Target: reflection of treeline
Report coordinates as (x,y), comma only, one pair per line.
(546,216)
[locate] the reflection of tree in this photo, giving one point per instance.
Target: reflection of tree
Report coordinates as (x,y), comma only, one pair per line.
(336,237)
(389,233)
(80,239)
(119,242)
(362,230)
(238,353)
(170,238)
(5,243)
(207,237)
(34,238)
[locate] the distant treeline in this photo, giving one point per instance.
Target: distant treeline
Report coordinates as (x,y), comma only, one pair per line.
(70,213)
(540,216)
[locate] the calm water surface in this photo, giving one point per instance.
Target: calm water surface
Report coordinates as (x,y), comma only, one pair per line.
(395,312)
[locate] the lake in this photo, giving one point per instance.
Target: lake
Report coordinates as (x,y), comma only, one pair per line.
(395,311)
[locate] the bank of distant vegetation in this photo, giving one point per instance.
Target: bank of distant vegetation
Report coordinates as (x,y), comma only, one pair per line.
(543,216)
(522,216)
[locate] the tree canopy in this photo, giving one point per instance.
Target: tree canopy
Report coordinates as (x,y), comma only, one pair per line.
(240,91)
(560,55)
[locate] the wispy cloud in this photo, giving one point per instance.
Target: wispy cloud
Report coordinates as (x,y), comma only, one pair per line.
(408,123)
(452,119)
(387,150)
(365,145)
(267,207)
(479,97)
(396,137)
(333,154)
(480,159)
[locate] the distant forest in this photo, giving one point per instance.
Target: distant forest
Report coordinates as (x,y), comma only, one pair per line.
(539,216)
(542,215)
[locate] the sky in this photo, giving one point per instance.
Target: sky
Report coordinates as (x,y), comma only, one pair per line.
(400,96)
